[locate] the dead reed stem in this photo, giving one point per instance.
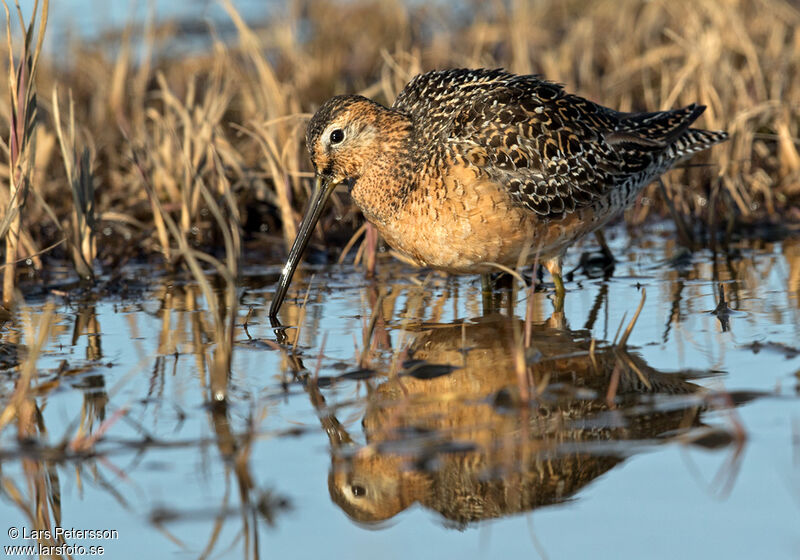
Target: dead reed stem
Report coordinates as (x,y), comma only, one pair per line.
(21,145)
(83,247)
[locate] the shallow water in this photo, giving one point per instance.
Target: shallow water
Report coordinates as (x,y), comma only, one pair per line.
(89,18)
(683,442)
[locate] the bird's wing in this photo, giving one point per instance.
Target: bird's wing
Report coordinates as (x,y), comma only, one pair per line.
(554,152)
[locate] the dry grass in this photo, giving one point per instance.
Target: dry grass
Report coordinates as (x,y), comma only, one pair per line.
(20,149)
(218,134)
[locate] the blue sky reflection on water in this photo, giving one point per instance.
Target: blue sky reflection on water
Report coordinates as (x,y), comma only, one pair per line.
(663,501)
(88,18)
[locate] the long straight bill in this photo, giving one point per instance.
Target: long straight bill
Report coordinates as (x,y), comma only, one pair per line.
(322,191)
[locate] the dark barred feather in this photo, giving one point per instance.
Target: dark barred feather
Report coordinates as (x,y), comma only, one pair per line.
(554,151)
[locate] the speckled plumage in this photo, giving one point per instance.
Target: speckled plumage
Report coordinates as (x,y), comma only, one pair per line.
(473,167)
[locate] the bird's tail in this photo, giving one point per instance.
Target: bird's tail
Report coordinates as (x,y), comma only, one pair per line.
(671,129)
(696,140)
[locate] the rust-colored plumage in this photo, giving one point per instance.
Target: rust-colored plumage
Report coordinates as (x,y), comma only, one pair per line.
(471,168)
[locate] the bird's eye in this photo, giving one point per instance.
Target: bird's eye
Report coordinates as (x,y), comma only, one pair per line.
(337,136)
(358,491)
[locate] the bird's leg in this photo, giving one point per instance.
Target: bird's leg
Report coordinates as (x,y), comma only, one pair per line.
(607,254)
(371,239)
(553,266)
(486,293)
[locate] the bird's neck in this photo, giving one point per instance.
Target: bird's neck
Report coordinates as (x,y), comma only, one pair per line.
(388,177)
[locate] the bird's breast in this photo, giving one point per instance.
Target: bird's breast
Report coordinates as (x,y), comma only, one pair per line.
(464,223)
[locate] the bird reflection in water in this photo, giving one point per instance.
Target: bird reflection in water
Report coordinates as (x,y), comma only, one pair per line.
(461,442)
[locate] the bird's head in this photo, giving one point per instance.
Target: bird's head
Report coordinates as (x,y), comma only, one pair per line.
(344,137)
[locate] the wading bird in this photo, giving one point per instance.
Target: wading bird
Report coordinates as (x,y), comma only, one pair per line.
(470,169)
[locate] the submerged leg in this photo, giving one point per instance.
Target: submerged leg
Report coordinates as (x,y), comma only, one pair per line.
(486,294)
(371,248)
(553,266)
(601,239)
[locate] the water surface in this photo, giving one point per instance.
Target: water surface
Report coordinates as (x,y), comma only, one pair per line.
(392,418)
